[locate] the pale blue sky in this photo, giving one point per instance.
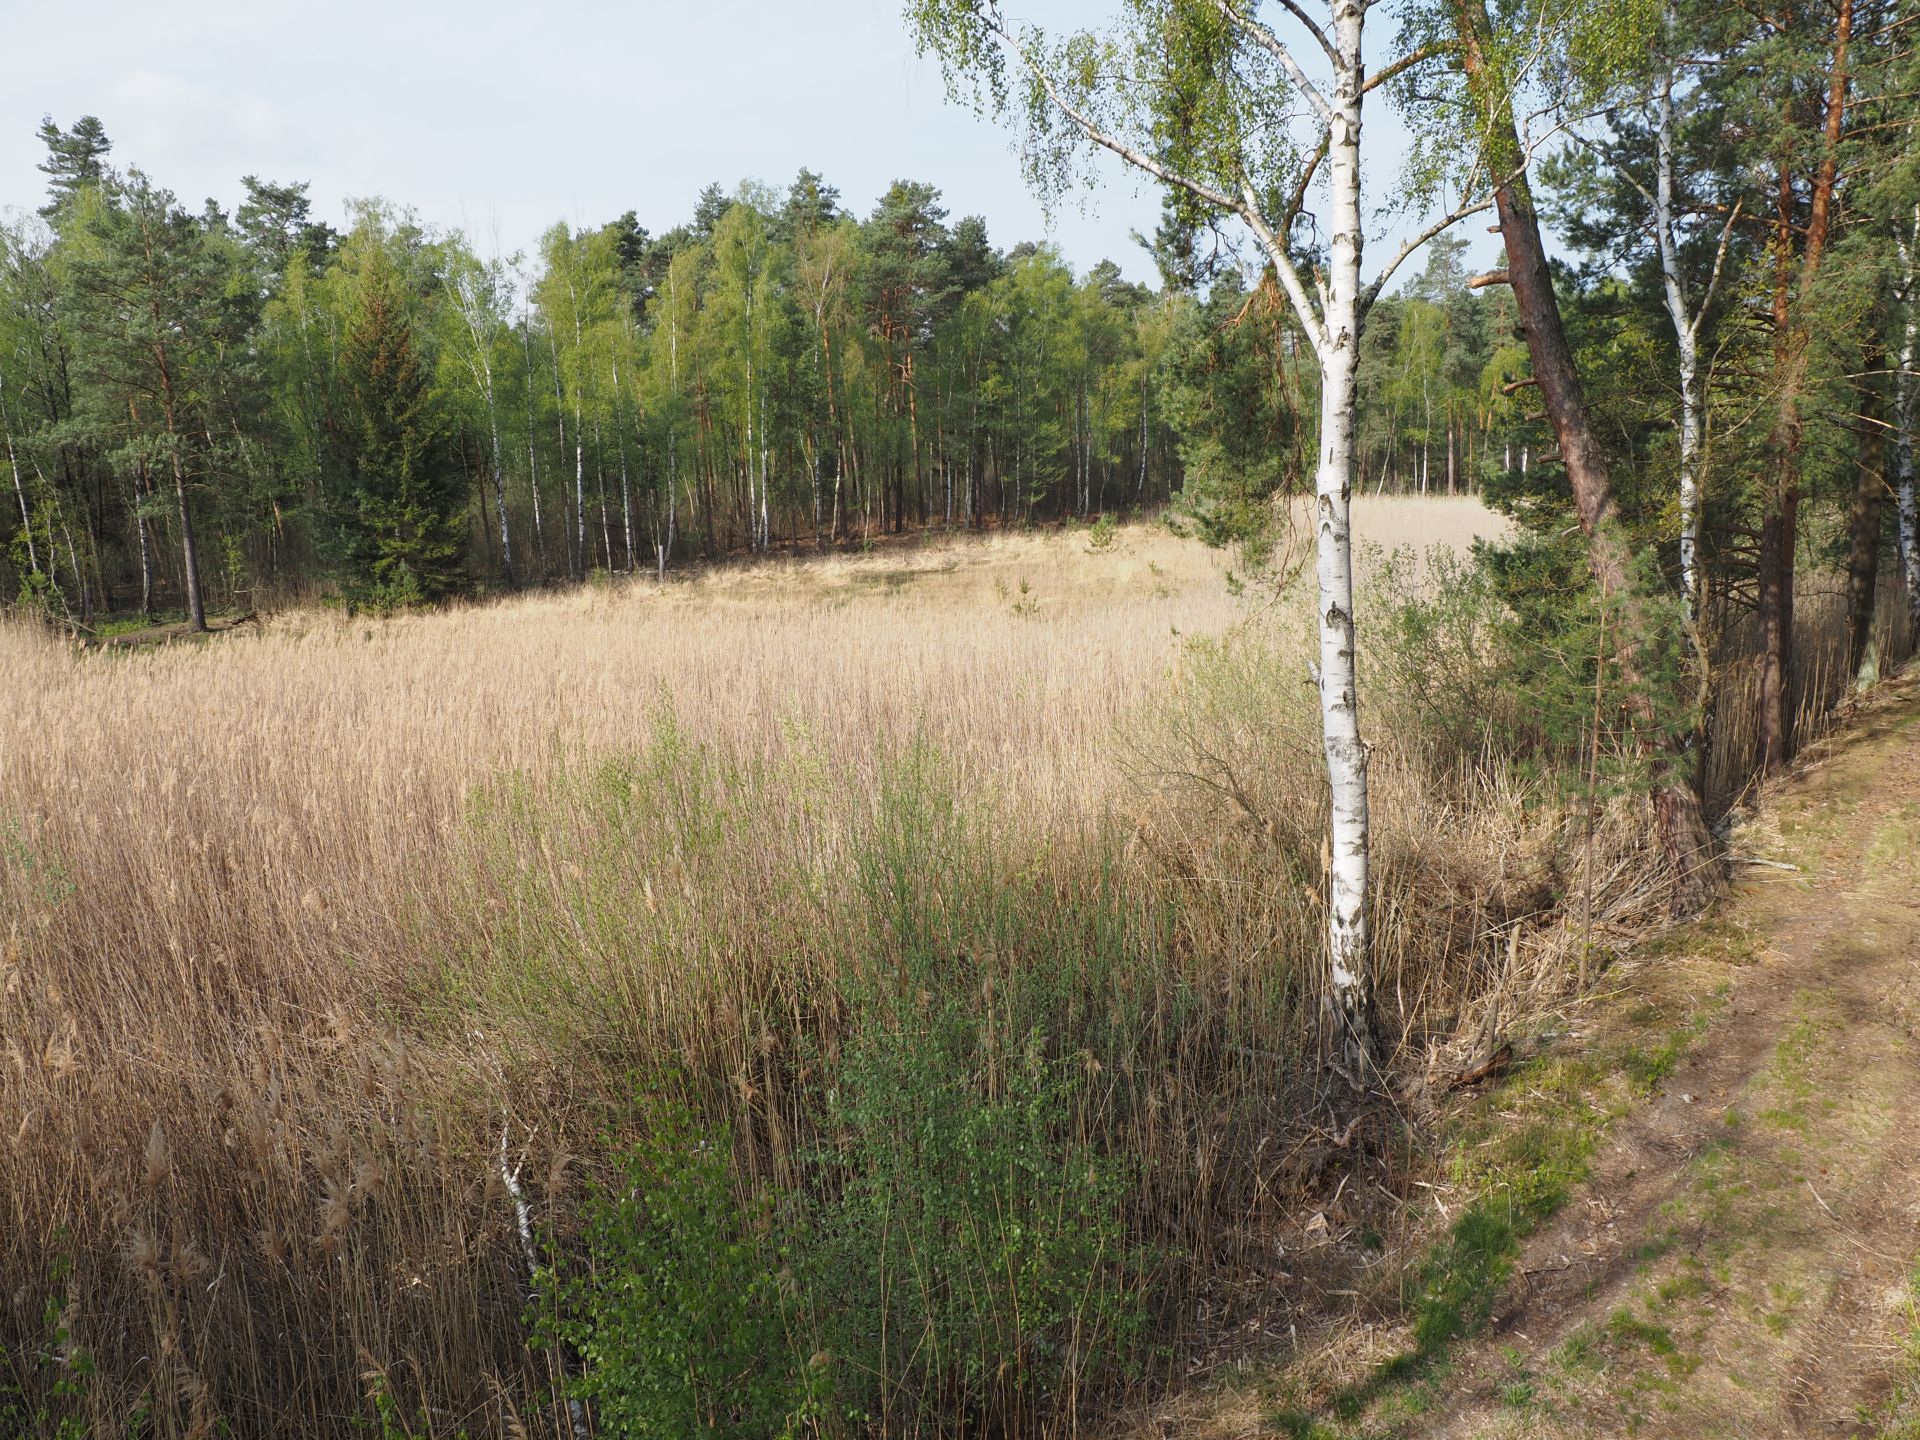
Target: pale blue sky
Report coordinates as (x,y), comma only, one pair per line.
(503,118)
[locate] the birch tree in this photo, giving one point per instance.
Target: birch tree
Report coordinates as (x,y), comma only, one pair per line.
(1241,120)
(478,291)
(1674,226)
(576,293)
(1906,404)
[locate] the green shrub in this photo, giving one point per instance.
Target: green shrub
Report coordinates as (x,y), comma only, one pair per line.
(967,1256)
(679,1320)
(973,1263)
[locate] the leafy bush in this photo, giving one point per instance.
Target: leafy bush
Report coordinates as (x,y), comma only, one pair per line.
(1502,654)
(973,1262)
(680,1321)
(968,1255)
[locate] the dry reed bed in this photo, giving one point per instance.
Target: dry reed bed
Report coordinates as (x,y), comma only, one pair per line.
(285,951)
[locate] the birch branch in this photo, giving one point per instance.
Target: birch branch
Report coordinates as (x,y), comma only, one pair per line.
(1413,243)
(1273,45)
(1405,63)
(1247,207)
(1156,168)
(1299,198)
(1290,279)
(1719,261)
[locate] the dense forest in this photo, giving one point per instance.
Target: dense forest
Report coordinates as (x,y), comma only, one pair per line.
(232,406)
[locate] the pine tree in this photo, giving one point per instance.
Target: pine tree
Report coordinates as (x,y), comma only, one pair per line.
(155,318)
(76,159)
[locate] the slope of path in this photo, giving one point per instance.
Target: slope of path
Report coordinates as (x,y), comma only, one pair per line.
(1741,1262)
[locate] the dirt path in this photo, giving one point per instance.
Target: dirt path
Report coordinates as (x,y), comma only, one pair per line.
(1741,1260)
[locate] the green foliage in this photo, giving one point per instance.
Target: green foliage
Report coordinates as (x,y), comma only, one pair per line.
(681,1320)
(952,1237)
(973,1262)
(44,1386)
(973,1259)
(1512,650)
(1242,396)
(405,509)
(778,367)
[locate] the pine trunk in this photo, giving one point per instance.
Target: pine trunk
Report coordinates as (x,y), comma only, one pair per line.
(1681,824)
(1779,531)
(1906,408)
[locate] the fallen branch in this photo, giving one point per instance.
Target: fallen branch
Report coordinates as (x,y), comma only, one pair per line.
(1769,864)
(1492,1065)
(523,1223)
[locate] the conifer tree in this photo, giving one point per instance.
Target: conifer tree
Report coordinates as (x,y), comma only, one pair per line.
(154,317)
(405,512)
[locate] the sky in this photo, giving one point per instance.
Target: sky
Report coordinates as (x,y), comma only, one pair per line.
(501,119)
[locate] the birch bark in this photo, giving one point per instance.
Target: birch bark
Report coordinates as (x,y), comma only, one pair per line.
(1686,326)
(1346,752)
(19,490)
(476,312)
(533,458)
(1906,392)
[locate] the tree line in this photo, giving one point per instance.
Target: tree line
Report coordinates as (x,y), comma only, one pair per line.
(207,401)
(212,404)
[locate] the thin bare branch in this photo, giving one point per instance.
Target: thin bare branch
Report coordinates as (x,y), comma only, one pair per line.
(1414,242)
(1719,261)
(1289,273)
(1297,201)
(1135,157)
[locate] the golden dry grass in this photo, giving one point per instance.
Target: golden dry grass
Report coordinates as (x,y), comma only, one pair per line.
(297,922)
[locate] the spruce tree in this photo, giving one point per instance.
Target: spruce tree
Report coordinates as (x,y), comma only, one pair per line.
(406,511)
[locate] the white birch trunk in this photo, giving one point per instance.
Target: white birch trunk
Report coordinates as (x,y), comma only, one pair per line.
(1906,400)
(1686,333)
(1140,490)
(533,462)
(579,431)
(1346,752)
(140,530)
(476,310)
(1330,313)
(20,492)
(500,493)
(560,425)
(673,420)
